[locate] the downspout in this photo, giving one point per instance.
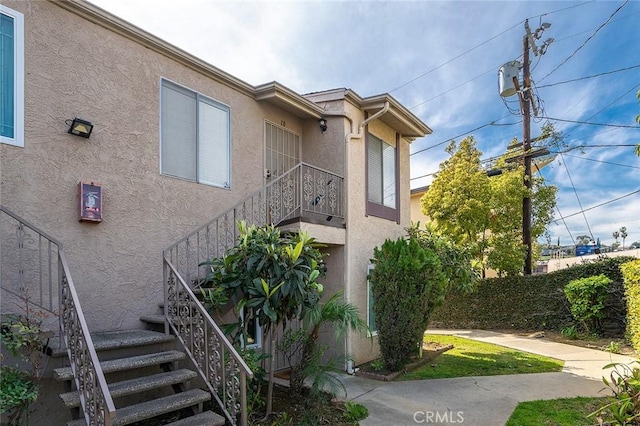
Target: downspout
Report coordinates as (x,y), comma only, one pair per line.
(349,136)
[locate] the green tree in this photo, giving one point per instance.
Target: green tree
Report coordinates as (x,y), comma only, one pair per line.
(616,235)
(407,284)
(623,235)
(301,347)
(273,276)
(484,214)
(583,239)
(458,201)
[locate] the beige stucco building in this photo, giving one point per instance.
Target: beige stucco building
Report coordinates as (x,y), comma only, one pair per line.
(177,142)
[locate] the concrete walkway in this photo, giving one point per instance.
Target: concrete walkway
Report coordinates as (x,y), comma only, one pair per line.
(482,401)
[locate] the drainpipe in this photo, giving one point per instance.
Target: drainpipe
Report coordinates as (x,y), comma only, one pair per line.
(349,136)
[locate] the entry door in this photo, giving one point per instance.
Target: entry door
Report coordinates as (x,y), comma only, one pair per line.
(282,150)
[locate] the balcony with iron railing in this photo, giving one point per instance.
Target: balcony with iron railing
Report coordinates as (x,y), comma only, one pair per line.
(303,194)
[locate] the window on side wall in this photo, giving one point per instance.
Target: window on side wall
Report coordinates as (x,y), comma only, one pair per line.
(11,77)
(195,137)
(371,318)
(381,179)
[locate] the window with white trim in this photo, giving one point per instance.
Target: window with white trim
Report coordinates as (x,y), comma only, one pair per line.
(195,137)
(371,318)
(11,77)
(381,178)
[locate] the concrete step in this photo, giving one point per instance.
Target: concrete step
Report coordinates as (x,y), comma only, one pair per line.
(110,340)
(129,363)
(156,407)
(137,385)
(153,319)
(206,418)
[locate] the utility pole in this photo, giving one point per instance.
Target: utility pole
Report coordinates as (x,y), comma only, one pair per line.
(526,99)
(509,72)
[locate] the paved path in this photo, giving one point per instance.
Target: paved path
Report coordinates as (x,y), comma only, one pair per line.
(481,401)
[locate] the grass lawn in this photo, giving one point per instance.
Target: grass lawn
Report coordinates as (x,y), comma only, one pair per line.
(473,358)
(557,412)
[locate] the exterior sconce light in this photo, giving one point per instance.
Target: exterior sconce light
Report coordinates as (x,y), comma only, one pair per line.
(323,125)
(80,127)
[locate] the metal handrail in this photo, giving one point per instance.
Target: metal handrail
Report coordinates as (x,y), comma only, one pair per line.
(302,190)
(95,397)
(214,357)
(29,257)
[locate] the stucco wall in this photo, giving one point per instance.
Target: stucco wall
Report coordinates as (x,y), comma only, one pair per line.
(77,68)
(366,232)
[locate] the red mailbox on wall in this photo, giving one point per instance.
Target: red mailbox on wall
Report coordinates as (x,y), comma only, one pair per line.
(90,194)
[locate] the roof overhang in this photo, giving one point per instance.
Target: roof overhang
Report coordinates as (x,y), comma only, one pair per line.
(287,99)
(397,116)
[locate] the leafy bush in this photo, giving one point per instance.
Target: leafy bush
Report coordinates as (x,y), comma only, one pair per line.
(587,297)
(623,407)
(532,302)
(631,273)
(17,390)
(23,337)
(407,284)
(457,263)
(569,332)
(355,412)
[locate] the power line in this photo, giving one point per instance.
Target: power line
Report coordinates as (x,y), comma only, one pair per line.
(492,123)
(558,209)
(588,77)
(562,10)
(622,126)
(601,204)
(482,44)
(586,41)
(601,161)
(575,191)
(453,59)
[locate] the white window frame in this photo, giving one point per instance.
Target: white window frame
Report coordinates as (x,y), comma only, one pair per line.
(199,100)
(370,268)
(18,75)
(381,208)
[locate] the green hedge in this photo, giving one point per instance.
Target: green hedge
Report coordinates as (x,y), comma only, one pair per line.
(631,273)
(523,302)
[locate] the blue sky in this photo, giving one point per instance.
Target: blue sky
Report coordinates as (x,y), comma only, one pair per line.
(441,60)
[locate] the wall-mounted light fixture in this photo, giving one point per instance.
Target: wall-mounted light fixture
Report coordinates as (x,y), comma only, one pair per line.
(80,127)
(323,125)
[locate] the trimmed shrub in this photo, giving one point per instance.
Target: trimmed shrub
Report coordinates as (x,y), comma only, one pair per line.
(531,302)
(587,297)
(407,284)
(631,273)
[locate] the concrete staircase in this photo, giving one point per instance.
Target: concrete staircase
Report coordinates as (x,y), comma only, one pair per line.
(148,380)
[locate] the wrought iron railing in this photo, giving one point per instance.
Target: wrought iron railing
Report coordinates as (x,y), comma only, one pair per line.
(218,363)
(33,266)
(304,191)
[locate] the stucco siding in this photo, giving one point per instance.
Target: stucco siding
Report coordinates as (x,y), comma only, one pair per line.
(366,232)
(77,68)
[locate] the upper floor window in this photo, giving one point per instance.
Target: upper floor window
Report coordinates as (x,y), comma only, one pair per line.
(381,179)
(195,137)
(11,77)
